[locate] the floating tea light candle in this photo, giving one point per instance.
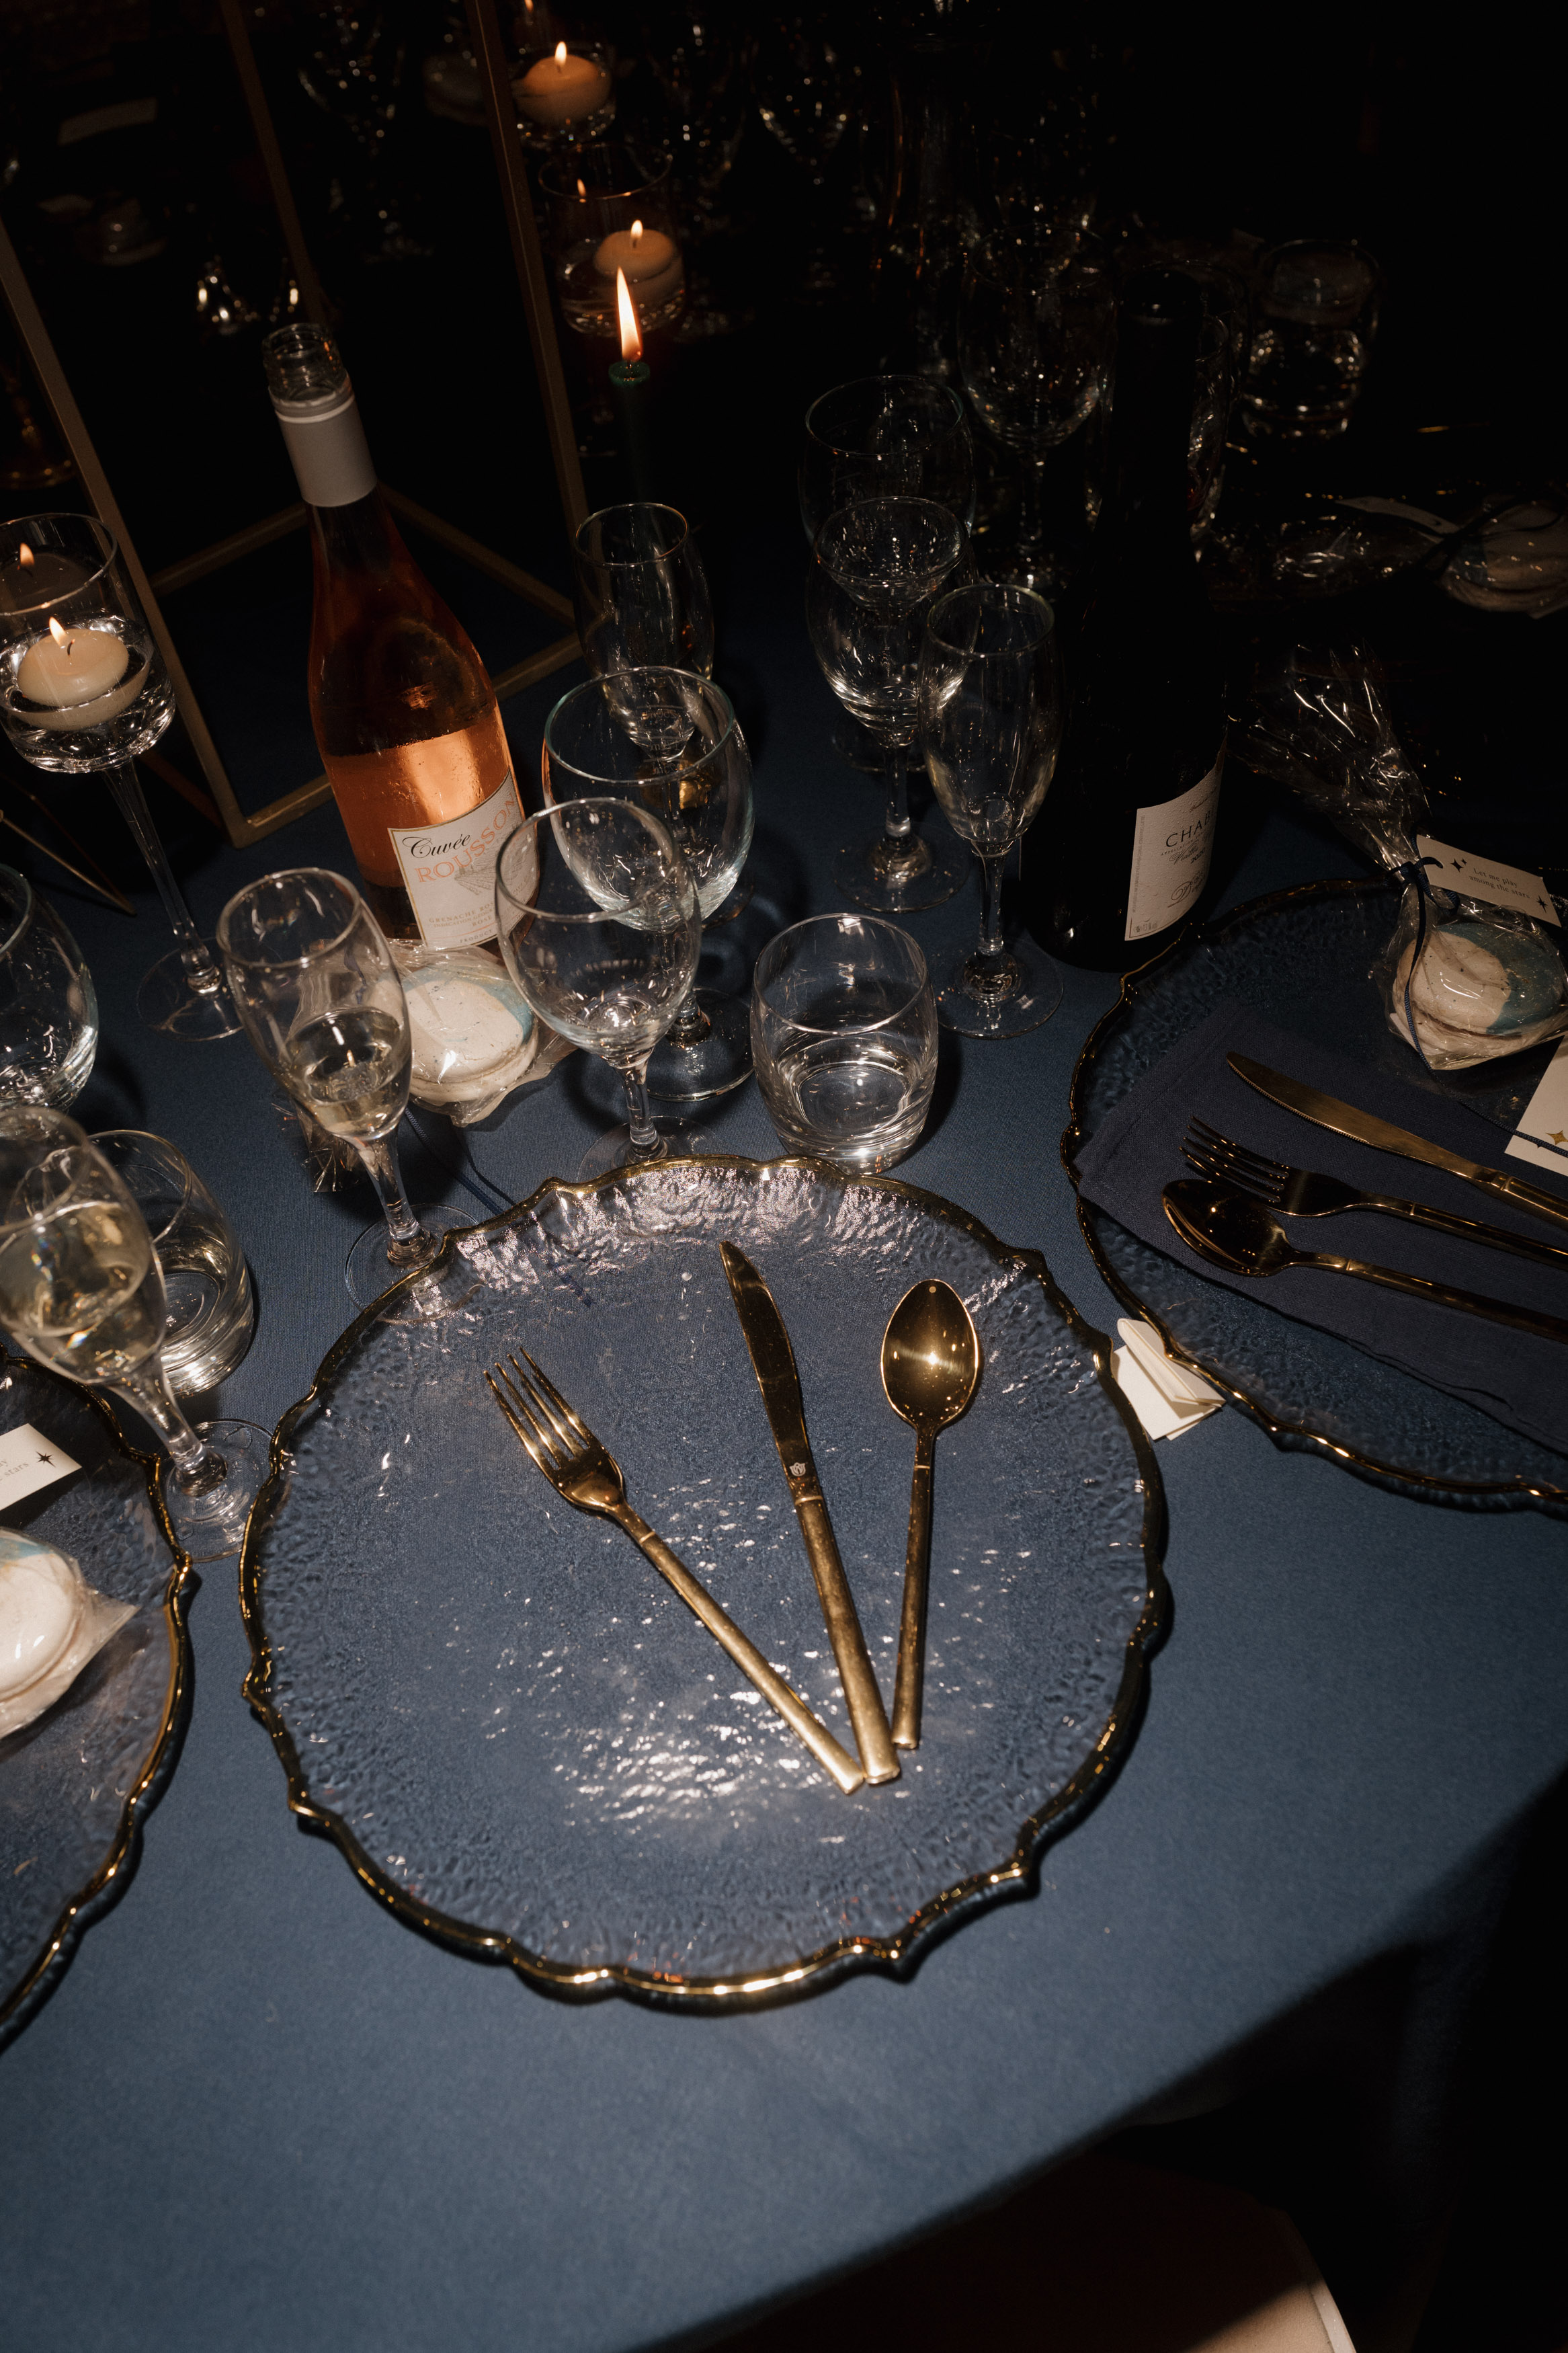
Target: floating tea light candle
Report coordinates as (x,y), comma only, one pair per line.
(647,259)
(77,678)
(562,89)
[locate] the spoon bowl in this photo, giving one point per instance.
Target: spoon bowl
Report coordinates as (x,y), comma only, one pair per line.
(1230,1229)
(931,1370)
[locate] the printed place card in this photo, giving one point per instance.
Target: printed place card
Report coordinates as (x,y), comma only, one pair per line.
(1489,878)
(29,1460)
(1546,1116)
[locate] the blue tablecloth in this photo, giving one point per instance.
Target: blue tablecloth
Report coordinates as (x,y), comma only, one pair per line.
(258,2110)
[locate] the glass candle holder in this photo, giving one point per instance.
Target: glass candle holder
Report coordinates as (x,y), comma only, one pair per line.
(609,212)
(48,1011)
(1317,305)
(564,93)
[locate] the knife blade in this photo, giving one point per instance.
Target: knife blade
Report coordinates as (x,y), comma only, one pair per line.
(772,1361)
(1343,1119)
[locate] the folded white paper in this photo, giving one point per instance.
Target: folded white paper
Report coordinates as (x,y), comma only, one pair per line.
(1166,1398)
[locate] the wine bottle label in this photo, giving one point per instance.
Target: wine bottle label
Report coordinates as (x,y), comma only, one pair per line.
(326,441)
(1171,844)
(450,869)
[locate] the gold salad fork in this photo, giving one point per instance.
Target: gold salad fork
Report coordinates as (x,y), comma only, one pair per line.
(585,1475)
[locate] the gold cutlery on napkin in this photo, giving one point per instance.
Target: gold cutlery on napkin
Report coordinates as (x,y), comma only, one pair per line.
(931,1370)
(773,1360)
(585,1475)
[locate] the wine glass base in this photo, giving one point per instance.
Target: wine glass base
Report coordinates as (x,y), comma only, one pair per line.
(1032,999)
(167,1001)
(904,888)
(367,1270)
(211,1525)
(720,1058)
(614,1150)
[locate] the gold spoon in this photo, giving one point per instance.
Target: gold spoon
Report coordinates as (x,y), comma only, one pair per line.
(931,1370)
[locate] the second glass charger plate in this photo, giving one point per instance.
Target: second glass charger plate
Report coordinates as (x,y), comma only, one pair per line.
(1303,958)
(524,1743)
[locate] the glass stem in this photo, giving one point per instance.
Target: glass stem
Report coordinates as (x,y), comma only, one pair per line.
(1031,531)
(690,1025)
(126,786)
(991,942)
(647,1142)
(197,1466)
(897,823)
(406,1240)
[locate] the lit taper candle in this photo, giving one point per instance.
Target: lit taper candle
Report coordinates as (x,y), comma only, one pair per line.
(630,377)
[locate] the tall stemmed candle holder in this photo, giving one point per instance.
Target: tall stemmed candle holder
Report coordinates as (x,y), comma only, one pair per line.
(83,690)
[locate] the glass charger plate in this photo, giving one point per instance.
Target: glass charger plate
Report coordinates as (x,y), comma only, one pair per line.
(1303,958)
(519,1738)
(76,1783)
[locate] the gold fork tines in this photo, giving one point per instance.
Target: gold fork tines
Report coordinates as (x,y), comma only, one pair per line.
(585,1475)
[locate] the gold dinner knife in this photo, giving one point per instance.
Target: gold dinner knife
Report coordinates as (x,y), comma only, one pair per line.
(773,1360)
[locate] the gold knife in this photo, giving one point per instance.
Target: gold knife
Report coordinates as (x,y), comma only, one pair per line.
(1343,1119)
(772,1361)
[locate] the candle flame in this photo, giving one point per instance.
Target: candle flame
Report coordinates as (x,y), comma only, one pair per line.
(627,310)
(60,637)
(582,192)
(26,557)
(560,56)
(637,233)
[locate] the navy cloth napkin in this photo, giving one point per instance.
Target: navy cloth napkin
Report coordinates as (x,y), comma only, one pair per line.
(1513,1376)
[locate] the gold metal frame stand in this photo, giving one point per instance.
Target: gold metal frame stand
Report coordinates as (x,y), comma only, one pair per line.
(218,803)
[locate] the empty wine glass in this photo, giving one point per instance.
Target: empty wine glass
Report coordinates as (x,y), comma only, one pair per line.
(991,724)
(886,437)
(84,688)
(600,930)
(48,1011)
(1034,339)
(671,741)
(81,1291)
(640,591)
(320,996)
(877,567)
(806,92)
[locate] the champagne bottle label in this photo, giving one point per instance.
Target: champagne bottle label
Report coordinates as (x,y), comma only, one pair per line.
(448,868)
(326,441)
(1171,844)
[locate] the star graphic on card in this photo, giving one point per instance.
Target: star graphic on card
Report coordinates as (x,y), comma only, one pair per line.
(1555,1135)
(46,1458)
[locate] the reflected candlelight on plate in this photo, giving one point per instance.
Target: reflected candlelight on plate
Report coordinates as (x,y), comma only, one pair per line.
(629,379)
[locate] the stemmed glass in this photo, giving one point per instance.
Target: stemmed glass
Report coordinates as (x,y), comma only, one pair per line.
(640,591)
(671,741)
(599,930)
(83,688)
(702,64)
(49,1009)
(1034,340)
(886,437)
(991,716)
(806,87)
(81,1291)
(877,568)
(320,996)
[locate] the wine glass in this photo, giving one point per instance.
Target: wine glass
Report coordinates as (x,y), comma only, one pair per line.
(669,742)
(806,91)
(81,1291)
(991,716)
(600,931)
(1034,339)
(701,63)
(640,591)
(322,1003)
(84,688)
(48,1010)
(886,437)
(877,567)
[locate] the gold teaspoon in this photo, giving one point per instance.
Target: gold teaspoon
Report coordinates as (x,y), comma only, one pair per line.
(931,1370)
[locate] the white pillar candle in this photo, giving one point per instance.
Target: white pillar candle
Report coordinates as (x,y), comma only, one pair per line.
(563,88)
(650,259)
(78,677)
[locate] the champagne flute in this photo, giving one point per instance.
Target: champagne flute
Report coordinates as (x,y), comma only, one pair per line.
(669,741)
(877,567)
(320,995)
(600,931)
(991,724)
(886,437)
(83,688)
(82,1291)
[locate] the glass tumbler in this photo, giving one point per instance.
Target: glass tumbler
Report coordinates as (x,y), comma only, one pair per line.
(844,1035)
(1317,305)
(48,1012)
(210,1306)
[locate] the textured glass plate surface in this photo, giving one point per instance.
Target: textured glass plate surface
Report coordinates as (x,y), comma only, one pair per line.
(525,1743)
(75,1784)
(1303,959)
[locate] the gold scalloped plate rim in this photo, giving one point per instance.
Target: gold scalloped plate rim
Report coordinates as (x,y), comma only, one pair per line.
(813,1971)
(81,1912)
(1290,1436)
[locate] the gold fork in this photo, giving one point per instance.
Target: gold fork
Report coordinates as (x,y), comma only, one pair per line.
(586,1475)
